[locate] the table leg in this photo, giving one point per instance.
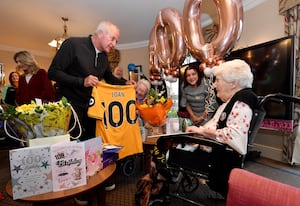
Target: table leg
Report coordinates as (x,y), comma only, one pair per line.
(97,196)
(101,195)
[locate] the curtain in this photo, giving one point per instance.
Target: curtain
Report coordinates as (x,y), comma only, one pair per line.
(285,5)
(290,9)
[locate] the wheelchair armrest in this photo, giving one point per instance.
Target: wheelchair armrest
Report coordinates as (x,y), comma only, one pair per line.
(165,142)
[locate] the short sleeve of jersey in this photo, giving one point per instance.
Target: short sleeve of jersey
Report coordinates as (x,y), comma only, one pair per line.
(96,109)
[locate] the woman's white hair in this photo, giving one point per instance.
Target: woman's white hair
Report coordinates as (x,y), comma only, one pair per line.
(144,82)
(236,71)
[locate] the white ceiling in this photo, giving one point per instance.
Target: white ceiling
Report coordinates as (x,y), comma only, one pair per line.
(31,24)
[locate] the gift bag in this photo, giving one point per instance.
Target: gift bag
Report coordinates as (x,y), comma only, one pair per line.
(39,123)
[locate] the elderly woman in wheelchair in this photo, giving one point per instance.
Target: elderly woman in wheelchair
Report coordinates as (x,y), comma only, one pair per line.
(218,146)
(231,122)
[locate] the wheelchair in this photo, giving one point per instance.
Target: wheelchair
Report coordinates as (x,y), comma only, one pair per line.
(190,158)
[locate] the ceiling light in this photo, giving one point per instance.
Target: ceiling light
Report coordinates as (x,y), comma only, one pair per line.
(59,40)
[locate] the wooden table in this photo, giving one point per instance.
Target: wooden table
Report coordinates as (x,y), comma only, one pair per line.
(94,188)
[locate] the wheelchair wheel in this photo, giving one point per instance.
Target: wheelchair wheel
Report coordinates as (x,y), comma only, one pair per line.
(128,167)
(165,201)
(189,183)
(158,202)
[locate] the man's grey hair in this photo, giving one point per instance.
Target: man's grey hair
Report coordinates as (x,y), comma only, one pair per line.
(106,27)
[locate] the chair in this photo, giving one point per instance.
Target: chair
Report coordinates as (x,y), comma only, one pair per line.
(259,115)
(247,188)
(257,118)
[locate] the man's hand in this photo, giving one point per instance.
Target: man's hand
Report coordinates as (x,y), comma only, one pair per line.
(91,81)
(130,82)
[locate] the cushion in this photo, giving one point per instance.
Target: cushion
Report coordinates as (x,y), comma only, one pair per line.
(247,188)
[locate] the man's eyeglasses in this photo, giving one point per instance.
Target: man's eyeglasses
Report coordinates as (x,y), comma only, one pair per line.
(112,38)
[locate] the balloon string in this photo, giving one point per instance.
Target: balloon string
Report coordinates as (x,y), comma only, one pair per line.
(210,99)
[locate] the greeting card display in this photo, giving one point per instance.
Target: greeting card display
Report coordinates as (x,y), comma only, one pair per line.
(30,170)
(68,165)
(93,155)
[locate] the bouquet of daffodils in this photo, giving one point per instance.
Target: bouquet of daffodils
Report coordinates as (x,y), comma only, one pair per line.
(154,109)
(44,120)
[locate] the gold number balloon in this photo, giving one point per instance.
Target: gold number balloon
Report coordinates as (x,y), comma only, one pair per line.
(154,64)
(230,13)
(168,38)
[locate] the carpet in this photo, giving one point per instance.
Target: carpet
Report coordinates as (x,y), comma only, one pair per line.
(285,173)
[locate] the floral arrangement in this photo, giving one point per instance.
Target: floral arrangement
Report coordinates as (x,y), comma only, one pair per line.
(154,109)
(44,120)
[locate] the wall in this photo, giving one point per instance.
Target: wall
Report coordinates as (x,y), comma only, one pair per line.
(262,23)
(259,26)
(135,56)
(6,57)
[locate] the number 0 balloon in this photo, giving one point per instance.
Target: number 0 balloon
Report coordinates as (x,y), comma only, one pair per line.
(172,34)
(154,64)
(230,13)
(168,25)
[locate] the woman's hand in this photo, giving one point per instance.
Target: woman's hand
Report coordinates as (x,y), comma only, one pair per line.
(205,132)
(197,120)
(195,129)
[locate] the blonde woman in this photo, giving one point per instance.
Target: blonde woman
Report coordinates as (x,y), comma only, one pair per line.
(34,83)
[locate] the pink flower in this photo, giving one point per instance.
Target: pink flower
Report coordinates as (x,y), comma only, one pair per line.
(93,162)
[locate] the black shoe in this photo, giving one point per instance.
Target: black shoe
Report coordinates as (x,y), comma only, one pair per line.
(81,200)
(109,186)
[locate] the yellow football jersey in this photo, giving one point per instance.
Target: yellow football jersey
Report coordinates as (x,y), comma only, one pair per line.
(114,108)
